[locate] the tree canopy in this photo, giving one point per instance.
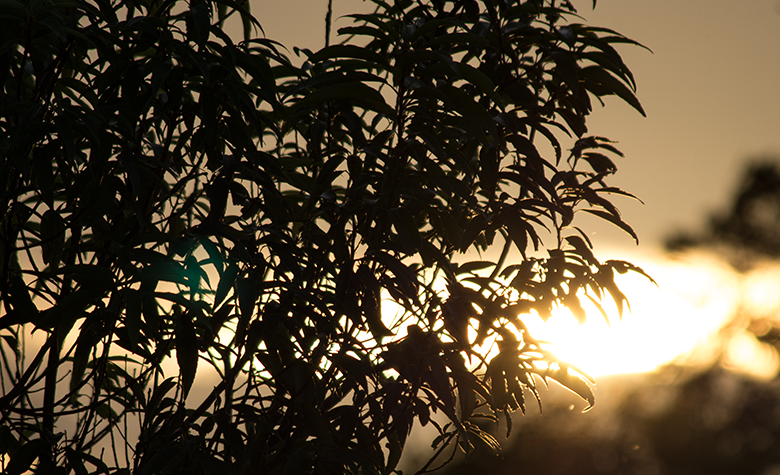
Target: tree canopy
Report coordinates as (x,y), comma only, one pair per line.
(178,202)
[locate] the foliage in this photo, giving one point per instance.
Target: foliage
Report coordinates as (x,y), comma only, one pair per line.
(748,231)
(177,203)
(679,434)
(745,235)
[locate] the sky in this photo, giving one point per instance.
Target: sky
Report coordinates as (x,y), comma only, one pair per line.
(709,88)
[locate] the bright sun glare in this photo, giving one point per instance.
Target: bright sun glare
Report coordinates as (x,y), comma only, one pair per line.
(680,321)
(685,320)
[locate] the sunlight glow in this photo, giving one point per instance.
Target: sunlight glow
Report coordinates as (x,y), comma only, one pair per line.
(665,324)
(696,317)
(744,353)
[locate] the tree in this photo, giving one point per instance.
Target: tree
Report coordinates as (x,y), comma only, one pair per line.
(745,235)
(173,194)
(748,230)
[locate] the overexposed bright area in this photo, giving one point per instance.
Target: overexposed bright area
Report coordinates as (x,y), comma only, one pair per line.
(692,318)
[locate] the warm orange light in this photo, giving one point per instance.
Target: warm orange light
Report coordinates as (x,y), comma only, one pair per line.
(688,320)
(681,321)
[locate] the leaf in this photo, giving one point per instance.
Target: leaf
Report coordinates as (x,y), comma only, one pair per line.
(21,301)
(572,302)
(299,462)
(99,464)
(186,352)
(487,440)
(622,267)
(200,17)
(476,226)
(165,271)
(518,231)
(612,85)
(8,442)
(370,304)
(583,249)
(438,379)
(407,230)
(74,460)
(394,455)
(164,460)
(606,280)
(566,67)
(84,349)
(469,109)
(350,51)
(247,296)
(347,92)
(574,383)
(134,306)
(24,458)
(226,282)
(44,175)
(357,370)
(473,266)
(600,162)
(614,220)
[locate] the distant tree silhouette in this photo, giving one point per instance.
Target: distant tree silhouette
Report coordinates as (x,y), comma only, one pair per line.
(750,229)
(676,423)
(746,234)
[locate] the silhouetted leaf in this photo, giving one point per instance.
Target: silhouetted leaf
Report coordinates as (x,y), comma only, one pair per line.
(612,85)
(226,282)
(617,221)
(186,352)
(574,383)
(25,456)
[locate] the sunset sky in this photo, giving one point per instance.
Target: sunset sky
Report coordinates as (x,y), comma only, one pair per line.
(709,88)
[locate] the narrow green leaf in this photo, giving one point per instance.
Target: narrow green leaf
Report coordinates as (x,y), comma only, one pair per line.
(52,237)
(134,306)
(201,22)
(74,460)
(394,456)
(582,249)
(518,231)
(567,68)
(350,51)
(622,267)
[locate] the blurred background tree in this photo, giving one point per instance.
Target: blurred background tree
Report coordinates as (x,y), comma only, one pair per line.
(180,205)
(750,229)
(748,236)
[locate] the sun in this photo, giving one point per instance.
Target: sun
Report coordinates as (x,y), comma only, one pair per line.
(676,322)
(688,319)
